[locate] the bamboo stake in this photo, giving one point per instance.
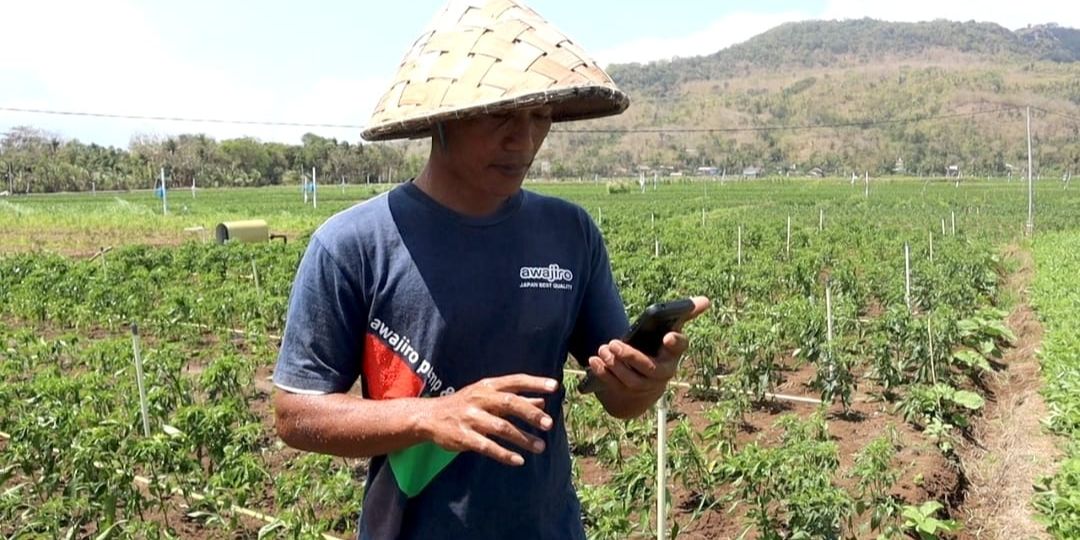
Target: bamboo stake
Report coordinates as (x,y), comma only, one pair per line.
(787,246)
(255,275)
(139,379)
(828,313)
(930,339)
(740,245)
(164,195)
(661,467)
(907,275)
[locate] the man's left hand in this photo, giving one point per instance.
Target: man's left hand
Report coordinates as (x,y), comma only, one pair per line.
(629,375)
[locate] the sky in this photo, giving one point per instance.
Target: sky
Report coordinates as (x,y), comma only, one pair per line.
(328,61)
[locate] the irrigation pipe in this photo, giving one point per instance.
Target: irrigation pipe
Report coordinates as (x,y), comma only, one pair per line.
(680,384)
(199,497)
(236,331)
(578,372)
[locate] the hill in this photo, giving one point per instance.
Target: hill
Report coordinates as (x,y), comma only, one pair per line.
(928,94)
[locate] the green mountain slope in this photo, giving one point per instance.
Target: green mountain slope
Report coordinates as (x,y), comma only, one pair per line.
(965,83)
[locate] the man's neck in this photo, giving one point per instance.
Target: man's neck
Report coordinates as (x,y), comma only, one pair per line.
(457,196)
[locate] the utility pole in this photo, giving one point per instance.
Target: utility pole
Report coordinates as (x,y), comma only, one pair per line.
(1030,229)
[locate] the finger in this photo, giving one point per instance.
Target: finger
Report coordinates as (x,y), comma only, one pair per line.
(507,404)
(701,304)
(598,366)
(606,355)
(497,427)
(629,378)
(485,446)
(520,382)
(640,362)
(673,347)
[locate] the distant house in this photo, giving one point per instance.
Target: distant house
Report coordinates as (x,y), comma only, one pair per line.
(708,171)
(816,172)
(751,172)
(899,167)
(952,171)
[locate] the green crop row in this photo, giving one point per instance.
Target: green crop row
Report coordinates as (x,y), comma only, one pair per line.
(1057,300)
(67,393)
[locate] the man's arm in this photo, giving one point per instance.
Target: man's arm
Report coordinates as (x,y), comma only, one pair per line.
(468,420)
(632,381)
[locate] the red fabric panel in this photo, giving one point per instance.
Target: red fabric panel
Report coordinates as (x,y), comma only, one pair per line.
(388,375)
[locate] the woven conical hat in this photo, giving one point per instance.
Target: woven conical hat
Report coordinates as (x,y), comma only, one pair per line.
(480,57)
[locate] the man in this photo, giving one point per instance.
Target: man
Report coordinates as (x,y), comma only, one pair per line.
(455,298)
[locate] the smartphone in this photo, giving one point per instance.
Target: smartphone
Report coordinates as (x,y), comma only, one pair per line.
(647,333)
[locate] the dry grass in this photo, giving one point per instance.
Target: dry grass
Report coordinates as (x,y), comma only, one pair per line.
(1014,450)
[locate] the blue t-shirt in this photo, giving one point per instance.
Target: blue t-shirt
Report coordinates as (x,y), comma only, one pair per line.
(416,300)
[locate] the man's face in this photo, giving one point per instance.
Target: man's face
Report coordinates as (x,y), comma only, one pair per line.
(490,155)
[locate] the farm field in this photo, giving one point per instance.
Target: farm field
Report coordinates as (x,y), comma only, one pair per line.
(918,364)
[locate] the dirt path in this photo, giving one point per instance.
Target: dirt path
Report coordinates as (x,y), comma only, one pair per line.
(1014,450)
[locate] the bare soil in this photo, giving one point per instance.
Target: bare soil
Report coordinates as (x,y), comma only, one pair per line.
(925,473)
(989,492)
(1012,450)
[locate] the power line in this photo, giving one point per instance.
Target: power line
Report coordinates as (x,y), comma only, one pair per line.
(1061,115)
(868,123)
(178,118)
(853,123)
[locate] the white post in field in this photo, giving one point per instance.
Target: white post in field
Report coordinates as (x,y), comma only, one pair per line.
(787,246)
(314,190)
(930,341)
(907,275)
(740,245)
(661,467)
(828,312)
(1030,227)
(139,379)
(164,194)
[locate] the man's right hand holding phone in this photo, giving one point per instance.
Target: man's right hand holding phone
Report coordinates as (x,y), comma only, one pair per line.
(632,380)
